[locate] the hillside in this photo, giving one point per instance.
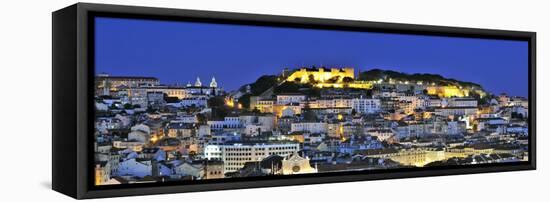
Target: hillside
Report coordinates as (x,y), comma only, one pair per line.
(272,84)
(377,74)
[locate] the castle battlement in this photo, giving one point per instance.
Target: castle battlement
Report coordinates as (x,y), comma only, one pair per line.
(328,78)
(322,74)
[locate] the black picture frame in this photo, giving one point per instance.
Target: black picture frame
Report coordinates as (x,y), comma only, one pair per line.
(73,78)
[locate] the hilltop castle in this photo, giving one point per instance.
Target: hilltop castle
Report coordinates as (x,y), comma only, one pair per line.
(322,74)
(328,78)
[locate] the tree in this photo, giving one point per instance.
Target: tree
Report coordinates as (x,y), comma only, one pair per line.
(245,101)
(516,115)
(217,101)
(481,100)
(347,79)
(334,79)
(263,83)
(312,79)
(201,119)
(127,106)
(150,109)
(192,154)
(313,92)
(310,116)
(256,111)
(169,99)
(288,87)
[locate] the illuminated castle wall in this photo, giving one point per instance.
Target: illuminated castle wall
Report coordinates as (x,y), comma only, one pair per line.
(452,91)
(447,91)
(322,78)
(321,74)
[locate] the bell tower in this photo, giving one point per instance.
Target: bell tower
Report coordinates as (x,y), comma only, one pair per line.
(213,83)
(198,82)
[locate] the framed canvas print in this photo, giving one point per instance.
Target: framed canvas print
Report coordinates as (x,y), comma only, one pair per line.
(154,100)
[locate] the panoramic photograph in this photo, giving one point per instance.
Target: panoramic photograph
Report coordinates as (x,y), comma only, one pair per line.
(185,101)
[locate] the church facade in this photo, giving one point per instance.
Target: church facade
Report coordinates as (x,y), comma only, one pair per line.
(295,164)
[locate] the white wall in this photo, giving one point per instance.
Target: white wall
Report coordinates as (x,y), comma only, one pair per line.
(25,80)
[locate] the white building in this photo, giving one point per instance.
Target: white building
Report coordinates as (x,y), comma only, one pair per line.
(452,128)
(134,145)
(267,121)
(519,101)
(422,101)
(194,170)
(382,134)
(287,112)
(100,106)
(517,129)
(265,106)
(366,106)
(284,99)
(213,152)
(185,118)
(131,167)
(232,121)
(520,110)
(228,122)
(107,123)
(194,101)
(434,102)
(236,155)
(457,111)
(138,96)
(460,102)
(140,133)
(330,103)
(312,127)
(204,130)
(248,119)
(155,98)
(141,127)
(255,129)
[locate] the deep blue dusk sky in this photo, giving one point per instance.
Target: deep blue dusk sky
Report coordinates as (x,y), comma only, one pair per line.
(178,52)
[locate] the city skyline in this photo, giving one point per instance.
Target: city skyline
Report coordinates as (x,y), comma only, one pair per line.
(151,133)
(305,120)
(178,47)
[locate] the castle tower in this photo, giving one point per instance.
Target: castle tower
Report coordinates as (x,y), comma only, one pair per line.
(213,83)
(189,84)
(286,72)
(198,82)
(349,72)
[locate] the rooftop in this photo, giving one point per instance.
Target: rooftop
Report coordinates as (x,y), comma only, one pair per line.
(125,77)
